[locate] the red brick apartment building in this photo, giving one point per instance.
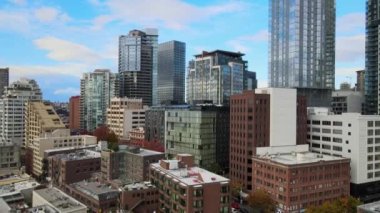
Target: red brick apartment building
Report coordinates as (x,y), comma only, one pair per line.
(185,188)
(297,180)
(74,112)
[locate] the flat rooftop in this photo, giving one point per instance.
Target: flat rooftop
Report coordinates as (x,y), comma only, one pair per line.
(80,155)
(370,207)
(295,158)
(59,200)
(138,186)
(95,189)
(138,151)
(15,188)
(190,176)
(41,209)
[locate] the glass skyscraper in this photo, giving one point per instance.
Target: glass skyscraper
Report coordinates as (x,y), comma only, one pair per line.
(171,72)
(371,85)
(97,89)
(4,79)
(302,46)
(138,65)
(215,76)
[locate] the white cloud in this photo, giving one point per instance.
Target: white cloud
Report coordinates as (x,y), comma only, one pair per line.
(50,14)
(350,22)
(350,48)
(347,71)
(18,2)
(62,50)
(33,71)
(158,12)
(15,21)
(241,43)
(67,91)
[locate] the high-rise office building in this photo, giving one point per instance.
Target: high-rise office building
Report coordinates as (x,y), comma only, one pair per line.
(138,65)
(215,76)
(250,81)
(97,89)
(12,109)
(371,87)
(4,80)
(360,81)
(302,48)
(171,72)
(74,113)
(262,118)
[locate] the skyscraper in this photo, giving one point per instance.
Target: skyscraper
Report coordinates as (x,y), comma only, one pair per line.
(97,89)
(171,72)
(4,80)
(302,48)
(371,85)
(12,109)
(215,76)
(138,65)
(74,113)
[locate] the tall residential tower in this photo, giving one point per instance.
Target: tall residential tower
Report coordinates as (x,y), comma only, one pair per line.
(371,85)
(97,89)
(302,48)
(4,79)
(171,72)
(138,65)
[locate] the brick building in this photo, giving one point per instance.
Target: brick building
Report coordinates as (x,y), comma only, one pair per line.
(262,118)
(128,163)
(297,178)
(73,167)
(186,188)
(139,197)
(74,113)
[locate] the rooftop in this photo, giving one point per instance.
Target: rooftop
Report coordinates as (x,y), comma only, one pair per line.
(96,190)
(42,209)
(79,155)
(229,53)
(59,200)
(15,188)
(189,176)
(138,186)
(138,151)
(292,155)
(370,207)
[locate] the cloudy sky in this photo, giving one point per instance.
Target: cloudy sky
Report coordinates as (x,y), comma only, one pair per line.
(55,41)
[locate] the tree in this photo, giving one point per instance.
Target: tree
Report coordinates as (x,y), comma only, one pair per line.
(343,204)
(101,133)
(236,186)
(262,201)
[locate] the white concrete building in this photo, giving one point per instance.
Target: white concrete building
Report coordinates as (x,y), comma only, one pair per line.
(125,114)
(283,115)
(59,138)
(58,200)
(350,135)
(346,101)
(12,109)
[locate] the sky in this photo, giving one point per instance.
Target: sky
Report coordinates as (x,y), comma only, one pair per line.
(55,41)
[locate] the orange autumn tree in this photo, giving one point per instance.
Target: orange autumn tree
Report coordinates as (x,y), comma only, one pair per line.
(261,201)
(343,204)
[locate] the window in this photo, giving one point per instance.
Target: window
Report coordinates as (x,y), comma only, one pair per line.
(337,140)
(377,123)
(337,131)
(337,123)
(315,137)
(324,146)
(316,122)
(370,175)
(326,130)
(370,132)
(337,148)
(316,130)
(370,149)
(369,166)
(326,123)
(326,139)
(370,141)
(370,123)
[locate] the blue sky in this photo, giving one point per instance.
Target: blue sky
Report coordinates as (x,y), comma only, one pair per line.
(55,42)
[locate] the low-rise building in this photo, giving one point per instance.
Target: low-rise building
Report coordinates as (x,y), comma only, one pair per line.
(73,167)
(139,197)
(9,157)
(353,136)
(59,138)
(128,163)
(58,200)
(297,178)
(137,134)
(346,101)
(184,187)
(17,194)
(95,195)
(369,208)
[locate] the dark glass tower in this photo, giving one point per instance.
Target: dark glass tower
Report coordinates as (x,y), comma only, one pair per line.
(138,65)
(302,47)
(4,80)
(171,72)
(371,85)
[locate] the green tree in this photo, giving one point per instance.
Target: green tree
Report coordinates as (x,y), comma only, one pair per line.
(236,186)
(341,205)
(261,201)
